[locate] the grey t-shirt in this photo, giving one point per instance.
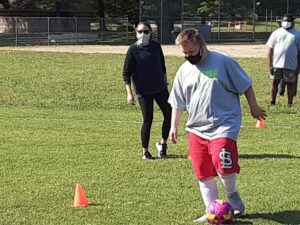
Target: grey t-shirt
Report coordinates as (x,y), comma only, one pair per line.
(286,45)
(210,93)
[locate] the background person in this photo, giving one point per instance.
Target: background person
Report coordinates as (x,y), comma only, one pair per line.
(145,66)
(208,86)
(284,59)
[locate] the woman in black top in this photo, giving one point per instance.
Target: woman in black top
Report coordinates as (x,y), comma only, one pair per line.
(145,66)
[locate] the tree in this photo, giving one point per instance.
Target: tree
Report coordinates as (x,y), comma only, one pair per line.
(209,8)
(167,25)
(5,4)
(32,4)
(100,7)
(232,8)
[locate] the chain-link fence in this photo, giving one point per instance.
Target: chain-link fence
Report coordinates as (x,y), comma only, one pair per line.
(250,20)
(62,30)
(222,29)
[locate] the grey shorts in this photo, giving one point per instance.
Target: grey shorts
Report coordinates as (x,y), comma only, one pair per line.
(286,75)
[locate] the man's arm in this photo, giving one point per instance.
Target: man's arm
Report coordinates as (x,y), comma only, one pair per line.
(298,66)
(256,111)
(176,115)
(270,60)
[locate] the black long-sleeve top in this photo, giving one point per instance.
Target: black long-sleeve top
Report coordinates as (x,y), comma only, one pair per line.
(145,66)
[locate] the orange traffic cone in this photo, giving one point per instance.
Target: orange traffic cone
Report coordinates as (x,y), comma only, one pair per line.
(260,123)
(80,199)
(188,155)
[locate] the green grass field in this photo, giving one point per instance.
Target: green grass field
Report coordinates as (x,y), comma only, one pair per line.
(64,120)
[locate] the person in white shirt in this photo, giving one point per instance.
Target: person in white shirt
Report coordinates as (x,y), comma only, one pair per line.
(284,59)
(208,86)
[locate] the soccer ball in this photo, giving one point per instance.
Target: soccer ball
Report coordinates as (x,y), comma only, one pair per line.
(219,212)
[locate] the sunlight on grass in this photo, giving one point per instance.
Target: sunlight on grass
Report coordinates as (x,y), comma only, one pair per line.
(64,120)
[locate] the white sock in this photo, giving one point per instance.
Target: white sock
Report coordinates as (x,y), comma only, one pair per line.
(229,182)
(201,219)
(209,190)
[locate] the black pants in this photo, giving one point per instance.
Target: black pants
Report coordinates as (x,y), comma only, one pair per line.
(147,106)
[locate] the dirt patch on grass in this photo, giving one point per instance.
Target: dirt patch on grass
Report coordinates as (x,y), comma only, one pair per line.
(235,50)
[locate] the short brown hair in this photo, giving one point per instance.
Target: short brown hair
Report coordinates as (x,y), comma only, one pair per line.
(189,35)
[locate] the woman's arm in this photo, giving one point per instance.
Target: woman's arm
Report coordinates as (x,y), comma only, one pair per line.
(127,76)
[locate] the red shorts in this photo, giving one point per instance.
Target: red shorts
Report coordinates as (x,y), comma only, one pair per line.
(210,157)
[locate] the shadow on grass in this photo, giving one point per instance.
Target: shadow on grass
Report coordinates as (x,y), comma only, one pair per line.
(95,204)
(242,222)
(170,156)
(285,217)
(243,156)
(264,156)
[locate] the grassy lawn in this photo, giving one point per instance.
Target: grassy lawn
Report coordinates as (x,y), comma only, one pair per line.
(260,26)
(64,120)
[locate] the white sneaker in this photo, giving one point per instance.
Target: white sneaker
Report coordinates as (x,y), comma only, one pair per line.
(201,219)
(161,149)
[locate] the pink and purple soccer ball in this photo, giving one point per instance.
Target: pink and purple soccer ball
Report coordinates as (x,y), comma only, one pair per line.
(219,212)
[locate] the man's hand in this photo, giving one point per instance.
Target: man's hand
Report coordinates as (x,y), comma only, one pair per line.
(173,135)
(258,112)
(271,70)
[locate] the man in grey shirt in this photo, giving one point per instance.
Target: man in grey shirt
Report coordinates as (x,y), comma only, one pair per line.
(208,86)
(284,58)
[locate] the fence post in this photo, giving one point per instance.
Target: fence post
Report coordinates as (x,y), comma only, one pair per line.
(161,20)
(266,20)
(271,20)
(76,30)
(102,27)
(48,24)
(127,30)
(16,30)
(182,15)
(219,22)
(253,18)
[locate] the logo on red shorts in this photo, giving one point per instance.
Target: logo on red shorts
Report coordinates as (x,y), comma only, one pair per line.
(226,161)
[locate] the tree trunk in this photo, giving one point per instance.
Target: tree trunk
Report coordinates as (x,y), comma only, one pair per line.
(101,14)
(166,23)
(100,7)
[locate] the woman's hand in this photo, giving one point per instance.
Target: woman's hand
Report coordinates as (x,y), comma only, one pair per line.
(130,99)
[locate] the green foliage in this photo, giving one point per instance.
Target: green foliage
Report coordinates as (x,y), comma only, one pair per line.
(64,120)
(208,8)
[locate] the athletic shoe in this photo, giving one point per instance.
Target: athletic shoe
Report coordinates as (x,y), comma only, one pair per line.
(147,156)
(161,149)
(201,219)
(237,204)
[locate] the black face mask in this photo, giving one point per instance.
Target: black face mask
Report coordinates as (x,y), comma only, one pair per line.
(194,59)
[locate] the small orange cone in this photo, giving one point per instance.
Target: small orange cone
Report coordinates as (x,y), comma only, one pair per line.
(80,199)
(260,123)
(188,155)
